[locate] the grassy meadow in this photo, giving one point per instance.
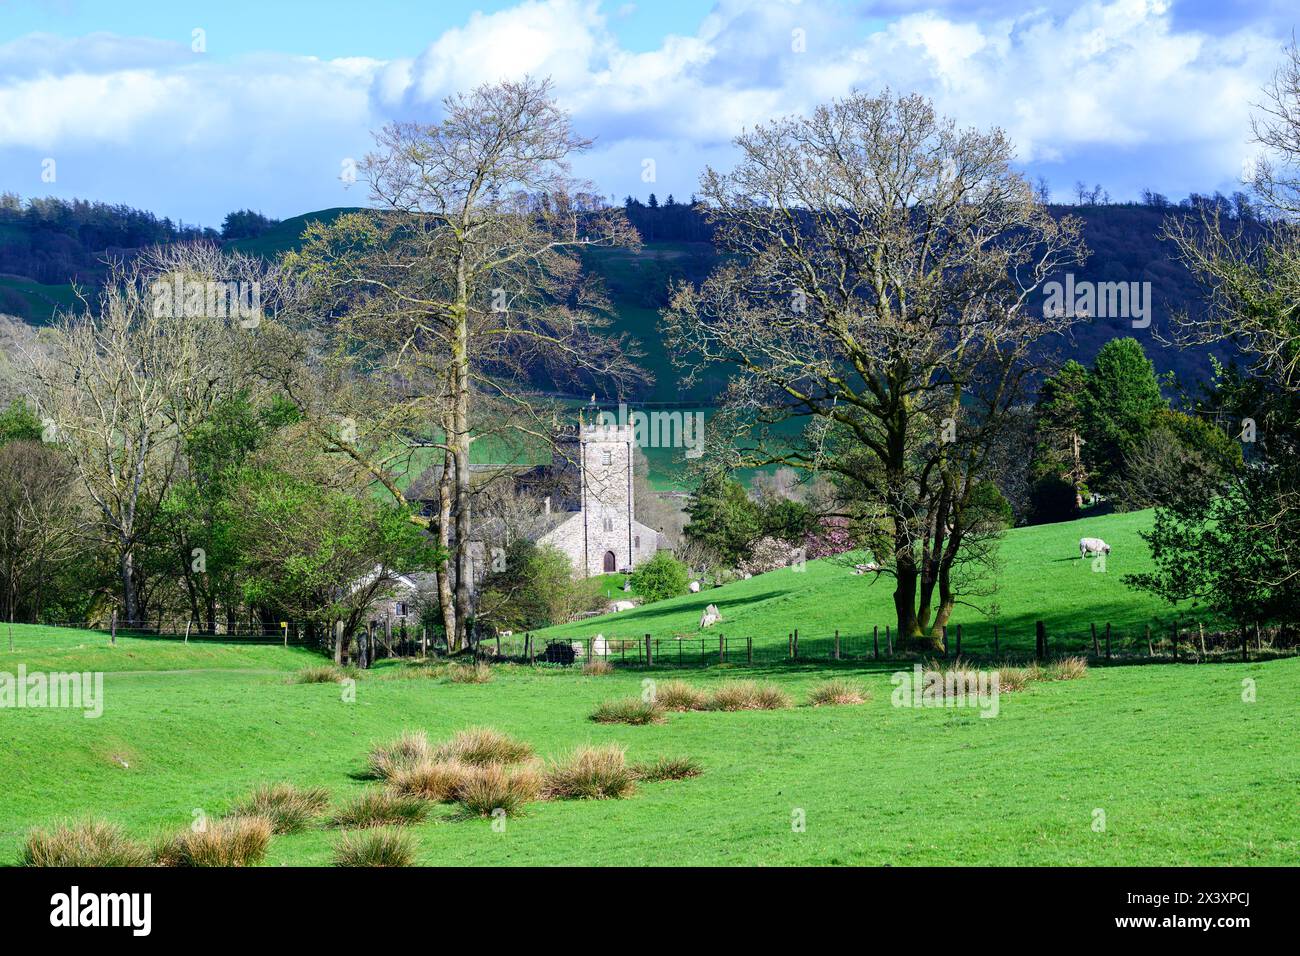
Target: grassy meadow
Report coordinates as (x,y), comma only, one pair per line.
(1041,577)
(1184,770)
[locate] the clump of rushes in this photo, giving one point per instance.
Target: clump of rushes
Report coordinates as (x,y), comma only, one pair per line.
(1012,679)
(596,667)
(679,695)
(437,780)
(82,844)
(378,808)
(325,674)
(591,773)
(483,745)
(410,748)
(289,808)
(667,768)
(493,787)
(234,841)
(628,710)
(747,695)
(374,848)
(476,673)
(833,693)
(1069,668)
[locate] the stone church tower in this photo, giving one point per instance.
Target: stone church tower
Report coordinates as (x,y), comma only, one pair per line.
(603,536)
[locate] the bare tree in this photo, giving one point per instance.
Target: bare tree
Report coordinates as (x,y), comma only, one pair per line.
(880,265)
(122,384)
(460,295)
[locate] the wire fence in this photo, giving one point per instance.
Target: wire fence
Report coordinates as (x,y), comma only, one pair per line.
(1188,642)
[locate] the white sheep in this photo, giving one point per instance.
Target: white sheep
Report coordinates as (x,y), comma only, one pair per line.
(1089,546)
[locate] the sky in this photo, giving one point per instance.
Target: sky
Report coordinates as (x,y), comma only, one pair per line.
(192,110)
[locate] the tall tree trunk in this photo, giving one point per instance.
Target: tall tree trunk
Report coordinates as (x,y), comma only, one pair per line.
(127,569)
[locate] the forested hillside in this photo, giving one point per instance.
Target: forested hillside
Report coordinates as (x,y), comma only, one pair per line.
(48,246)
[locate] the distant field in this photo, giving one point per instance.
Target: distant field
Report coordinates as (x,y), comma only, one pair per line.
(1042,578)
(34,301)
(1183,770)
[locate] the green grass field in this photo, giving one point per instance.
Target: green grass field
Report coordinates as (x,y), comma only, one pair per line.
(1041,578)
(1184,771)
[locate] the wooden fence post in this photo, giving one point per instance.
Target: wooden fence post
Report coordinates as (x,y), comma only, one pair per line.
(113,633)
(796,643)
(187,630)
(1107,640)
(1259,640)
(1151,651)
(1040,640)
(790,640)
(875,642)
(1096,651)
(1245,644)
(889,640)
(722,649)
(749,650)
(649,654)
(837,644)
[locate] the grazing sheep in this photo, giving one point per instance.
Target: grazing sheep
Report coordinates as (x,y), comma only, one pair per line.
(1089,546)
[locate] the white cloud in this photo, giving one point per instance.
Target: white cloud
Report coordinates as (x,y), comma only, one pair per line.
(1074,82)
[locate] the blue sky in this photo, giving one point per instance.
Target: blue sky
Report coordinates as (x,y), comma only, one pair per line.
(194,109)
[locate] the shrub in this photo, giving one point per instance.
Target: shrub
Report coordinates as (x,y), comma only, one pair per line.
(410,748)
(483,745)
(667,768)
(377,808)
(438,780)
(591,773)
(835,693)
(747,695)
(374,848)
(768,554)
(628,710)
(86,843)
(325,674)
(495,787)
(234,841)
(1069,668)
(476,673)
(597,668)
(663,576)
(679,695)
(289,808)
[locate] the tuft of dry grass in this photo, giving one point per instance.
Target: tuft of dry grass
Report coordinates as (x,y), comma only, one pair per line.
(411,748)
(81,844)
(289,808)
(234,841)
(679,695)
(378,808)
(667,768)
(597,667)
(1012,679)
(438,780)
(628,710)
(591,773)
(325,674)
(493,787)
(747,695)
(483,745)
(374,848)
(476,673)
(834,693)
(1069,668)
